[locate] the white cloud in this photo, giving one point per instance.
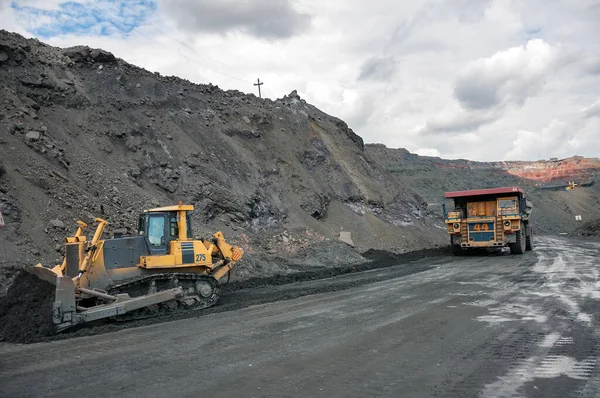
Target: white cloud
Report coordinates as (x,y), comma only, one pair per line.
(549,142)
(558,139)
(428,152)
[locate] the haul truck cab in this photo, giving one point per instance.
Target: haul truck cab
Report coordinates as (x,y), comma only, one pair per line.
(487,218)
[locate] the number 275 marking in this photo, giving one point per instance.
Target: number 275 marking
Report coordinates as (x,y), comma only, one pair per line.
(200,257)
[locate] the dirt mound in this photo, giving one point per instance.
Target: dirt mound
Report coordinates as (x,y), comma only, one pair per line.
(26,310)
(590,228)
(377,259)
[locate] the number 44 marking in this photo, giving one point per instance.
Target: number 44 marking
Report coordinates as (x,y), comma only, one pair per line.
(481,227)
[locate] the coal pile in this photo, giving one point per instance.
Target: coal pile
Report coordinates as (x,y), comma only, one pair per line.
(590,228)
(376,259)
(26,310)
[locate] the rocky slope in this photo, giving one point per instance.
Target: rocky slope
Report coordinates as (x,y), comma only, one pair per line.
(544,171)
(84,134)
(554,210)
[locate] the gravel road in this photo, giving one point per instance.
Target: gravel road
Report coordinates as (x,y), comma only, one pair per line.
(476,326)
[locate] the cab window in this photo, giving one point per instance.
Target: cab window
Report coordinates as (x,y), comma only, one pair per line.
(173,226)
(156,230)
(506,203)
(142,226)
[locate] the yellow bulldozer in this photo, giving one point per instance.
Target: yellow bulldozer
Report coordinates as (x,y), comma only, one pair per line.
(130,277)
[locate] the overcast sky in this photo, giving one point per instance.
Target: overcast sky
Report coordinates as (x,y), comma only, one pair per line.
(475,79)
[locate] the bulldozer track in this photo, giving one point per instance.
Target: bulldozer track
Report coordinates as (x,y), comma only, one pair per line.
(142,285)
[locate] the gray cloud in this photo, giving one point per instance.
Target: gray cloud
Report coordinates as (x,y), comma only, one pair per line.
(507,77)
(462,122)
(592,110)
(477,94)
(591,65)
(269,19)
(377,68)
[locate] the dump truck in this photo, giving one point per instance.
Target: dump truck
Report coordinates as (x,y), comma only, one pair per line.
(159,269)
(489,218)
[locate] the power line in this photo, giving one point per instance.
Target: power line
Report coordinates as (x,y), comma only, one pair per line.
(269,93)
(195,61)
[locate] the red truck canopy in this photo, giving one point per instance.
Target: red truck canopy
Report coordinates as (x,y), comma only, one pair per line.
(481,192)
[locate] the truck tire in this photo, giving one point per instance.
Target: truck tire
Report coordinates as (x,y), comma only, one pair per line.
(457,250)
(529,239)
(519,246)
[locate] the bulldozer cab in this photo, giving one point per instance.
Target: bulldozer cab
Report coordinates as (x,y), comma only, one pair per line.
(161,226)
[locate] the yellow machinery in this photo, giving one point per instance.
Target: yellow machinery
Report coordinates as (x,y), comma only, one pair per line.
(485,218)
(162,267)
(572,185)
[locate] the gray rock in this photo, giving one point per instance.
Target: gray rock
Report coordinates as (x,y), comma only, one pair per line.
(77,53)
(246,119)
(33,136)
(99,55)
(56,223)
(120,232)
(135,172)
(32,81)
(3,56)
(346,237)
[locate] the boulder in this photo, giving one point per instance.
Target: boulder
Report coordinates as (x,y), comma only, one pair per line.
(99,55)
(56,223)
(77,53)
(346,237)
(33,136)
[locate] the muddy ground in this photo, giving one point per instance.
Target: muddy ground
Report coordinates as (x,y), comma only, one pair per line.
(26,309)
(476,326)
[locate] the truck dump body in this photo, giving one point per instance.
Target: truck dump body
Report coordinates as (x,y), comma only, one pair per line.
(484,192)
(494,217)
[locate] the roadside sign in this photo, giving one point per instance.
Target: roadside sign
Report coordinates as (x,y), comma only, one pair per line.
(1,220)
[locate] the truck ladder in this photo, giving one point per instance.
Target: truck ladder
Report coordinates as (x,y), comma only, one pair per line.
(464,232)
(499,228)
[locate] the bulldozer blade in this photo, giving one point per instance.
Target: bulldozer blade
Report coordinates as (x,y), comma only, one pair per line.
(45,274)
(64,307)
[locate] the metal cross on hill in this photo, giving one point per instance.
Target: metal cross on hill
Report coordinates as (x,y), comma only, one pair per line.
(259,83)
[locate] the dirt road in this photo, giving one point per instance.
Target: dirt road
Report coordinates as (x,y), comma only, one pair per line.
(494,326)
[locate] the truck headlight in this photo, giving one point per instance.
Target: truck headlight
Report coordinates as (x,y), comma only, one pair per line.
(507,224)
(456,225)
